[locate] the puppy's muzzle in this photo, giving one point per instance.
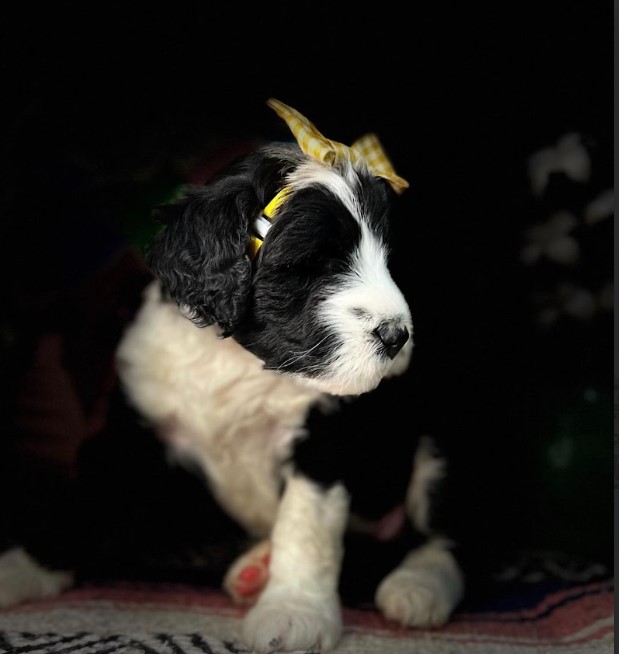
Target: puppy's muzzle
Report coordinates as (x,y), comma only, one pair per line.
(392,337)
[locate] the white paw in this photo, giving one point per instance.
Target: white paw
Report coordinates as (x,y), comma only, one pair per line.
(415,598)
(23,579)
(286,620)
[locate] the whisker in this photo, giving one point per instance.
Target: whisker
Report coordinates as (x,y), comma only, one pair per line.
(299,355)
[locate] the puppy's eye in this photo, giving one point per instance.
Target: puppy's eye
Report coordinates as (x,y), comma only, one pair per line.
(286,268)
(309,266)
(305,266)
(322,265)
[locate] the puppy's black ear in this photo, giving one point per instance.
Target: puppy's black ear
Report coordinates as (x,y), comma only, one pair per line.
(200,256)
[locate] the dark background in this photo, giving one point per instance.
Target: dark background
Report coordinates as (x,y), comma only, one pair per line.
(107,114)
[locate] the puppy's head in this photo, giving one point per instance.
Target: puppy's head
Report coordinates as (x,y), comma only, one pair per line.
(317,300)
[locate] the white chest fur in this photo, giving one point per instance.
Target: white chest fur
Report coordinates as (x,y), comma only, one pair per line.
(214,404)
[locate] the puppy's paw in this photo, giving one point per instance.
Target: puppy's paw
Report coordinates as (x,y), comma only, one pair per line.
(286,620)
(249,574)
(415,598)
(23,579)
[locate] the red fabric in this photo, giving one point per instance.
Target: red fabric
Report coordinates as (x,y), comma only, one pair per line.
(61,399)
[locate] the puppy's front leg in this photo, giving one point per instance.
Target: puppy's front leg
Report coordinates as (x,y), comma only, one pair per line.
(299,609)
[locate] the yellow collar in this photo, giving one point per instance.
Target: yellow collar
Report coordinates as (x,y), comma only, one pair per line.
(263,223)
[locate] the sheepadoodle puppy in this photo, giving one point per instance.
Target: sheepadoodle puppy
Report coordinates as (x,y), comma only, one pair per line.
(271,306)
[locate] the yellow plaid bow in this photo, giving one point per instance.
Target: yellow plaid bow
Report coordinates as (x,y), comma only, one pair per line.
(367,149)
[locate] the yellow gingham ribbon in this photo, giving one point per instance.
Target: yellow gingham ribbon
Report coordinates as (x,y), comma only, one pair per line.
(366,149)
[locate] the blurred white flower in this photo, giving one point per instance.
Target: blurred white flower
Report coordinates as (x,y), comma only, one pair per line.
(571,300)
(578,302)
(606,297)
(602,207)
(568,156)
(552,240)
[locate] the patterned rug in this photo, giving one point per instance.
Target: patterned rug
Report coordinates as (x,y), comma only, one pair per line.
(135,618)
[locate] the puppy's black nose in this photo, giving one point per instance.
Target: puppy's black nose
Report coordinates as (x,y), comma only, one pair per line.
(393,337)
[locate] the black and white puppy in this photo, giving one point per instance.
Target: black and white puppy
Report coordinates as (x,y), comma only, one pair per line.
(231,354)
